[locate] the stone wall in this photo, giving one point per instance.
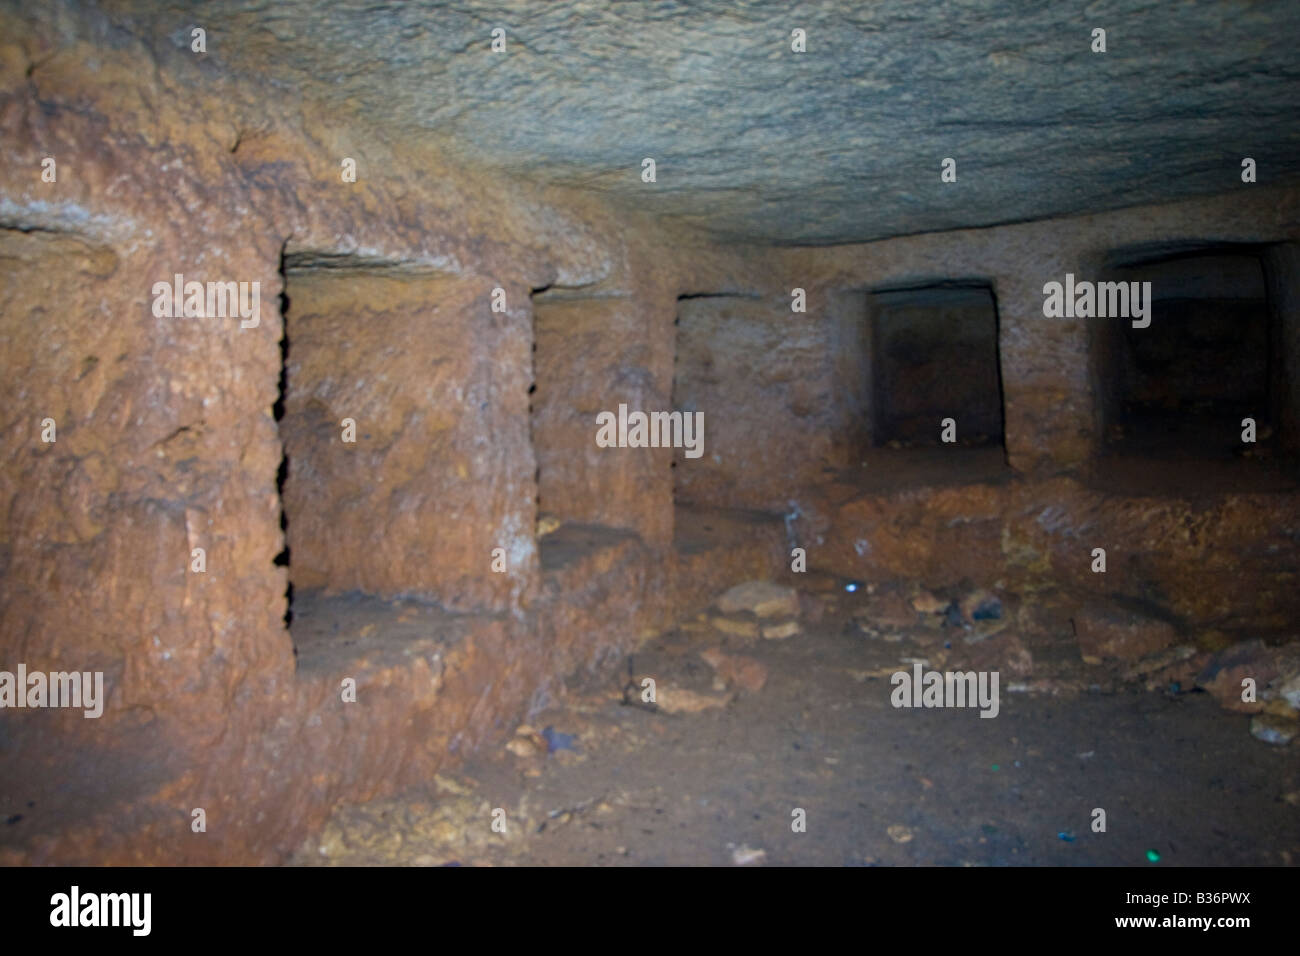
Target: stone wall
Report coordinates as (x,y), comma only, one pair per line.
(594,354)
(440,472)
(784,396)
(167,442)
(141,539)
(1049,388)
(1190,547)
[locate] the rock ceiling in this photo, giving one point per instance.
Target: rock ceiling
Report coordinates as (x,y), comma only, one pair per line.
(841,143)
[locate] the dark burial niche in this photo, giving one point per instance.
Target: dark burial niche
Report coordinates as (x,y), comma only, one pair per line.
(1179,388)
(934,356)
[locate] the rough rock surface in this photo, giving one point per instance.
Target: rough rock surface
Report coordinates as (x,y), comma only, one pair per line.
(583,346)
(841,143)
(1225,674)
(438,473)
(167,434)
(766,381)
(1113,632)
(1018,531)
(736,669)
(167,441)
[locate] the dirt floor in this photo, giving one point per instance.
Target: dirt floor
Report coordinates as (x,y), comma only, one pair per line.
(714,772)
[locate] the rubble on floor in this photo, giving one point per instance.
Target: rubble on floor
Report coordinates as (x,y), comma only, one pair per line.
(457,827)
(1060,643)
(699,679)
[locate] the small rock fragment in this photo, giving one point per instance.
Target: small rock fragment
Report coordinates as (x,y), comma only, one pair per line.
(985,628)
(1108,631)
(775,632)
(736,670)
(1273,729)
(899,833)
(927,603)
(763,598)
(556,741)
(522,747)
(743,855)
(1226,671)
(1280,708)
(889,609)
(1005,653)
(737,627)
(680,700)
(1290,692)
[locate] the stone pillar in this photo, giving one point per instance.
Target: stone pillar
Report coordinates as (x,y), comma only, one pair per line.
(139,541)
(848,342)
(1047,389)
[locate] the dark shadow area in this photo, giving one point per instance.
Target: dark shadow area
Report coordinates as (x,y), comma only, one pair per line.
(1194,379)
(1180,387)
(935,356)
(282,473)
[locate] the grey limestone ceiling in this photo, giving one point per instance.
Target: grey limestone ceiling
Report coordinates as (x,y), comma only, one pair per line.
(841,143)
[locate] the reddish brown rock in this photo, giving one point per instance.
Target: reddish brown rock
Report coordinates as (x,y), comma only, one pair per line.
(737,669)
(577,479)
(1177,666)
(1226,673)
(168,442)
(926,603)
(765,386)
(1112,632)
(416,502)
